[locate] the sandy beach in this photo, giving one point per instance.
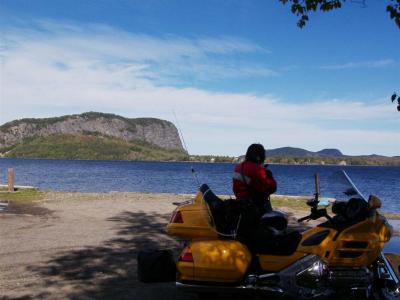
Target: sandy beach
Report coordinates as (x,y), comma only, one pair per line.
(84,246)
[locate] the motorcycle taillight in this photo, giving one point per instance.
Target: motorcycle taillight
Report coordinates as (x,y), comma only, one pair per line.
(186,255)
(177,217)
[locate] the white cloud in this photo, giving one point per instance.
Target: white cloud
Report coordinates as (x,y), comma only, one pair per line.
(363,64)
(64,69)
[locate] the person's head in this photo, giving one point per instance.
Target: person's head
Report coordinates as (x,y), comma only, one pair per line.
(255,153)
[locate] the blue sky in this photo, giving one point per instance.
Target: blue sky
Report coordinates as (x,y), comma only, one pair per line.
(234,72)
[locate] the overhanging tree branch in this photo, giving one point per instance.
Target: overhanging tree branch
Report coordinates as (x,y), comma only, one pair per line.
(301,8)
(393,98)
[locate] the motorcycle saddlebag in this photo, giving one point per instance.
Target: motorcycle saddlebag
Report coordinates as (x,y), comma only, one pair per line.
(156,266)
(215,261)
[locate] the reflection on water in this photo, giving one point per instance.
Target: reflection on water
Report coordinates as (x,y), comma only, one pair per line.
(394,244)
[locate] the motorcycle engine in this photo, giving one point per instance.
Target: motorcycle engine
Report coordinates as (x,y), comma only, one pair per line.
(311,278)
(319,275)
(350,277)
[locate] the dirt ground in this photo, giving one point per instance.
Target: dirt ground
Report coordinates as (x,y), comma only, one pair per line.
(84,246)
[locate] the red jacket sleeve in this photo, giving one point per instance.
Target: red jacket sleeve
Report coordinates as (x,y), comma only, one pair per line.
(264,181)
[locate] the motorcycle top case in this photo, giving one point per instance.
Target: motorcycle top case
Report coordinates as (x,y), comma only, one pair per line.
(156,266)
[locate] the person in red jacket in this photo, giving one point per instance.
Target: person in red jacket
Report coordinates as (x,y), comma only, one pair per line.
(253,183)
(252,180)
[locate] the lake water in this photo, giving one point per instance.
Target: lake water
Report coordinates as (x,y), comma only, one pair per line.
(394,244)
(176,177)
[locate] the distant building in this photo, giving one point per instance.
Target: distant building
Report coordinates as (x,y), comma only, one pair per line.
(342,163)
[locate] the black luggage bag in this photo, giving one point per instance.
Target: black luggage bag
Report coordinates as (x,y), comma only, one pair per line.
(156,266)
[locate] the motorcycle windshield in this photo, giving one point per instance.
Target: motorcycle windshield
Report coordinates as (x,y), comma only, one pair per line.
(343,188)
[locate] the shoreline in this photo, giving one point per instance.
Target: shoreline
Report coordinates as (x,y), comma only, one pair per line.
(35,195)
(203,162)
(24,195)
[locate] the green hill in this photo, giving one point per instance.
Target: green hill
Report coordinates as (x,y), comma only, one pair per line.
(89,146)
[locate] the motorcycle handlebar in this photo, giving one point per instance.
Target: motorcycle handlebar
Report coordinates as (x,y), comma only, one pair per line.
(315,214)
(304,218)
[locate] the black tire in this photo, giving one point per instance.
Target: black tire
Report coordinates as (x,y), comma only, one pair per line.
(384,294)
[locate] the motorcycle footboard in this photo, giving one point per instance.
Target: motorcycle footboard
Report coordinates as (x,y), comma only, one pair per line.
(206,287)
(197,287)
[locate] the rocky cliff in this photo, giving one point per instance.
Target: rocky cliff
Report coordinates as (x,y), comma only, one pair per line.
(150,130)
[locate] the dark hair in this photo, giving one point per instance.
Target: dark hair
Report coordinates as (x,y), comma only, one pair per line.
(255,153)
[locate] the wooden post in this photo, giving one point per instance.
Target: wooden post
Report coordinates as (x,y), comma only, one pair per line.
(10,179)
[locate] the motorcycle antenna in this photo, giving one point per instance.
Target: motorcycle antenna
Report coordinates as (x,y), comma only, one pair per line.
(186,149)
(232,235)
(353,185)
(317,187)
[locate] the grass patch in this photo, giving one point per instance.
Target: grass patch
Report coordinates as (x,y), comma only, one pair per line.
(392,216)
(298,203)
(21,195)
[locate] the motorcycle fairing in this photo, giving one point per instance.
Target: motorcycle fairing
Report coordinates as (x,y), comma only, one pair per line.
(356,246)
(275,263)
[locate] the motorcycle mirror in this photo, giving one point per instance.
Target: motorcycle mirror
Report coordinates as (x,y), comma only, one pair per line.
(374,202)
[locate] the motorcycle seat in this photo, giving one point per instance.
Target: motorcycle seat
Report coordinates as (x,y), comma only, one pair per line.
(285,244)
(218,210)
(213,201)
(275,219)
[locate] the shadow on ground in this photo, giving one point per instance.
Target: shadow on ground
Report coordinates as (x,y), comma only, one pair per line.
(29,208)
(109,271)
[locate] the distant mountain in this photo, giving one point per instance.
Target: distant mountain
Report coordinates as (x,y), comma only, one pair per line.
(290,155)
(298,152)
(375,155)
(92,135)
(287,151)
(330,152)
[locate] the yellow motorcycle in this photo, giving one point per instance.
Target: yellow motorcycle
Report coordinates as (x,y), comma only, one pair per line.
(341,256)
